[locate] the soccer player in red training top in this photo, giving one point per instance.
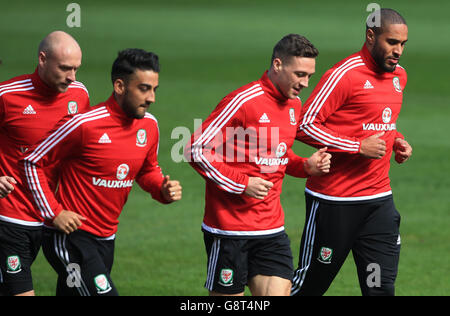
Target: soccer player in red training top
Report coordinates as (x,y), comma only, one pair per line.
(353,111)
(30,105)
(243,223)
(101,153)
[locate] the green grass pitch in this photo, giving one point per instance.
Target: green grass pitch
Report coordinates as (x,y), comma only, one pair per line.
(209,48)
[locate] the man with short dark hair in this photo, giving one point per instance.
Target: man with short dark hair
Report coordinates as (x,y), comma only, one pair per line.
(243,223)
(100,153)
(353,111)
(30,105)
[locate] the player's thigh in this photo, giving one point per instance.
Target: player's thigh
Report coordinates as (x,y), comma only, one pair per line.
(377,250)
(65,261)
(227,268)
(19,247)
(270,266)
(328,235)
(263,285)
(81,262)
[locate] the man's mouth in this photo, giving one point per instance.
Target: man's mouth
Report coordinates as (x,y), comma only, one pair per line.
(392,60)
(64,86)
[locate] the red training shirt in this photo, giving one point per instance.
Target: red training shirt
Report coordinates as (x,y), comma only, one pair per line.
(352,101)
(101,153)
(249,134)
(28,110)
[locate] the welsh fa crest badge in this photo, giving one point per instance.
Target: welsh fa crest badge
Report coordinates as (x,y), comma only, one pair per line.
(396,83)
(72,107)
(387,115)
(141,138)
(325,255)
(226,277)
(293,121)
(102,284)
(122,171)
(13,264)
(281,150)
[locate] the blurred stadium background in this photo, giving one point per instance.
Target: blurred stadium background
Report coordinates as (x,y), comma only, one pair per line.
(209,48)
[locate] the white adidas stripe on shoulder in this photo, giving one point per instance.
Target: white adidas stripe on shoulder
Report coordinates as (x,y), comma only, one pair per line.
(79,85)
(14,86)
(329,86)
(308,120)
(150,116)
(231,108)
(217,124)
(66,129)
(228,112)
(56,137)
(21,85)
(15,83)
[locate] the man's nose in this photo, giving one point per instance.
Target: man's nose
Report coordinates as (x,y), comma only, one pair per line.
(72,76)
(398,50)
(304,82)
(150,98)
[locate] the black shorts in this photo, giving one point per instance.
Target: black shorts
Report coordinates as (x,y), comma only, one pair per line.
(19,246)
(233,262)
(82,261)
(370,229)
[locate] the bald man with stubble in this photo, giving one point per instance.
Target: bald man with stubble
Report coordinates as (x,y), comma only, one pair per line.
(30,105)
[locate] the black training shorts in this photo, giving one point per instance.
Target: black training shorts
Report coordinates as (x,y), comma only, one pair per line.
(19,246)
(233,262)
(82,261)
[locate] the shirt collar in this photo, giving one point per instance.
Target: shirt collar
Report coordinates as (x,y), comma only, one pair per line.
(41,87)
(116,111)
(369,61)
(270,88)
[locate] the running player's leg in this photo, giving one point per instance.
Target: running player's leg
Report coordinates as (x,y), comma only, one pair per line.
(79,261)
(19,247)
(227,266)
(377,250)
(327,238)
(264,285)
(270,266)
(58,253)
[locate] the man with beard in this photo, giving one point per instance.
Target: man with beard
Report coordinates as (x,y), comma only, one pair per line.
(100,153)
(353,111)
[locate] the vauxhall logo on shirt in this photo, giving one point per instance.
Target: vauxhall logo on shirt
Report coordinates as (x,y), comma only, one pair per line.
(270,164)
(386,117)
(121,174)
(260,146)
